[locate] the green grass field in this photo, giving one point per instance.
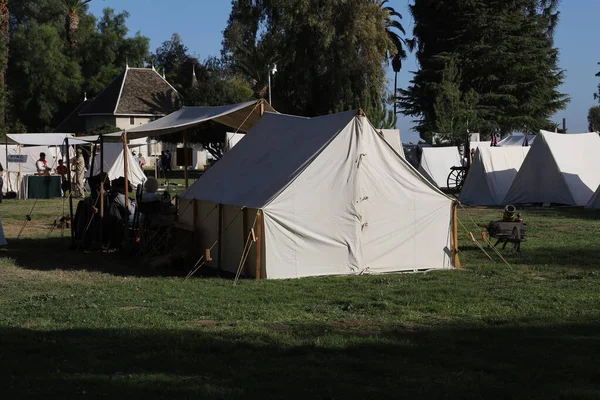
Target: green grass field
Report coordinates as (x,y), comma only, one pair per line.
(76,325)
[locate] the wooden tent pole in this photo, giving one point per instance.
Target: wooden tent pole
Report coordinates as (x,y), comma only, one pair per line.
(455,235)
(185,157)
(126,168)
(245,232)
(262,107)
(220,237)
(259,243)
(69,176)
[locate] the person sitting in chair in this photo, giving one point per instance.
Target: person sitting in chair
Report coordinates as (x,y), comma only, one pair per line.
(42,165)
(117,196)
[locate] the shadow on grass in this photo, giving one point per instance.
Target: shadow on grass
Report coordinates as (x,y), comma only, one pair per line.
(558,361)
(54,254)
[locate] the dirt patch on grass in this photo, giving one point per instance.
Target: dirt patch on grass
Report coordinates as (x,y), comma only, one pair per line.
(362,327)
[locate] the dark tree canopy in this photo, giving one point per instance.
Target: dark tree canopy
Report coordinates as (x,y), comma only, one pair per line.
(505,52)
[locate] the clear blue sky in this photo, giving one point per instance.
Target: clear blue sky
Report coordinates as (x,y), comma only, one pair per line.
(201,23)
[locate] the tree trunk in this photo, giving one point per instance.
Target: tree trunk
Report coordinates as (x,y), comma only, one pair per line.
(71,26)
(4,26)
(395,92)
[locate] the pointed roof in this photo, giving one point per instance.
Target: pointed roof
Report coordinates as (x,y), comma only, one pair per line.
(135,92)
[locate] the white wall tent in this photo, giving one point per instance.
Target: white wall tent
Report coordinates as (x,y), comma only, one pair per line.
(491,174)
(559,168)
(114,164)
(595,200)
(392,136)
(327,195)
(516,140)
(436,163)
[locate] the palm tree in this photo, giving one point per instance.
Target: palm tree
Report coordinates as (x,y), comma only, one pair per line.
(72,19)
(255,63)
(4,24)
(396,52)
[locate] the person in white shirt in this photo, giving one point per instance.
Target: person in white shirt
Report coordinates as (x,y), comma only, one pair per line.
(42,166)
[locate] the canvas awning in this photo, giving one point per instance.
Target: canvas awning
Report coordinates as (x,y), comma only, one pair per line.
(42,139)
(240,116)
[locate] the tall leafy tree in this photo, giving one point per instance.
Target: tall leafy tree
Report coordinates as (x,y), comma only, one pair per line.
(594,119)
(330,53)
(506,53)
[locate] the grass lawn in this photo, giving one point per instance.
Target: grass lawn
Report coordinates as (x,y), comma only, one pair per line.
(76,325)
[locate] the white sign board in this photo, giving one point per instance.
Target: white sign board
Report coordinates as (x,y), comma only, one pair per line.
(17,158)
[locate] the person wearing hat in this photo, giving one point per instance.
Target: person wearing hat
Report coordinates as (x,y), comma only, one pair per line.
(79,169)
(42,165)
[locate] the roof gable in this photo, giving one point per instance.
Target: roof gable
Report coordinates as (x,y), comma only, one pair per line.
(136,91)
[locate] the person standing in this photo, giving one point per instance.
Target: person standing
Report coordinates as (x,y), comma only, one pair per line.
(62,171)
(168,166)
(141,161)
(79,169)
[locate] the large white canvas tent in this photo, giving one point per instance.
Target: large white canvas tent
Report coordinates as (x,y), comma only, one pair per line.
(436,163)
(114,164)
(13,170)
(559,168)
(595,200)
(323,196)
(491,174)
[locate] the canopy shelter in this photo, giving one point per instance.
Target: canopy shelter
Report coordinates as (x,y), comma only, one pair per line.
(42,139)
(559,168)
(436,163)
(321,196)
(491,173)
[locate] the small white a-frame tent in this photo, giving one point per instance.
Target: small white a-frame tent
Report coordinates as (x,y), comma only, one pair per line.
(594,202)
(436,163)
(559,168)
(114,164)
(491,174)
(322,196)
(392,136)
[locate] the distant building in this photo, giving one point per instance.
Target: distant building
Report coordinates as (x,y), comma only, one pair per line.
(136,97)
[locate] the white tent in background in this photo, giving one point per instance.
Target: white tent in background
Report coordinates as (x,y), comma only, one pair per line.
(324,196)
(559,168)
(232,139)
(12,170)
(436,163)
(516,140)
(491,174)
(595,200)
(114,164)
(392,136)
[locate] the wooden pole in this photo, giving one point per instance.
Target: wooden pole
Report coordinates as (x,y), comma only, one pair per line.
(220,237)
(455,235)
(102,181)
(6,166)
(69,176)
(262,107)
(126,168)
(19,177)
(185,157)
(259,243)
(245,232)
